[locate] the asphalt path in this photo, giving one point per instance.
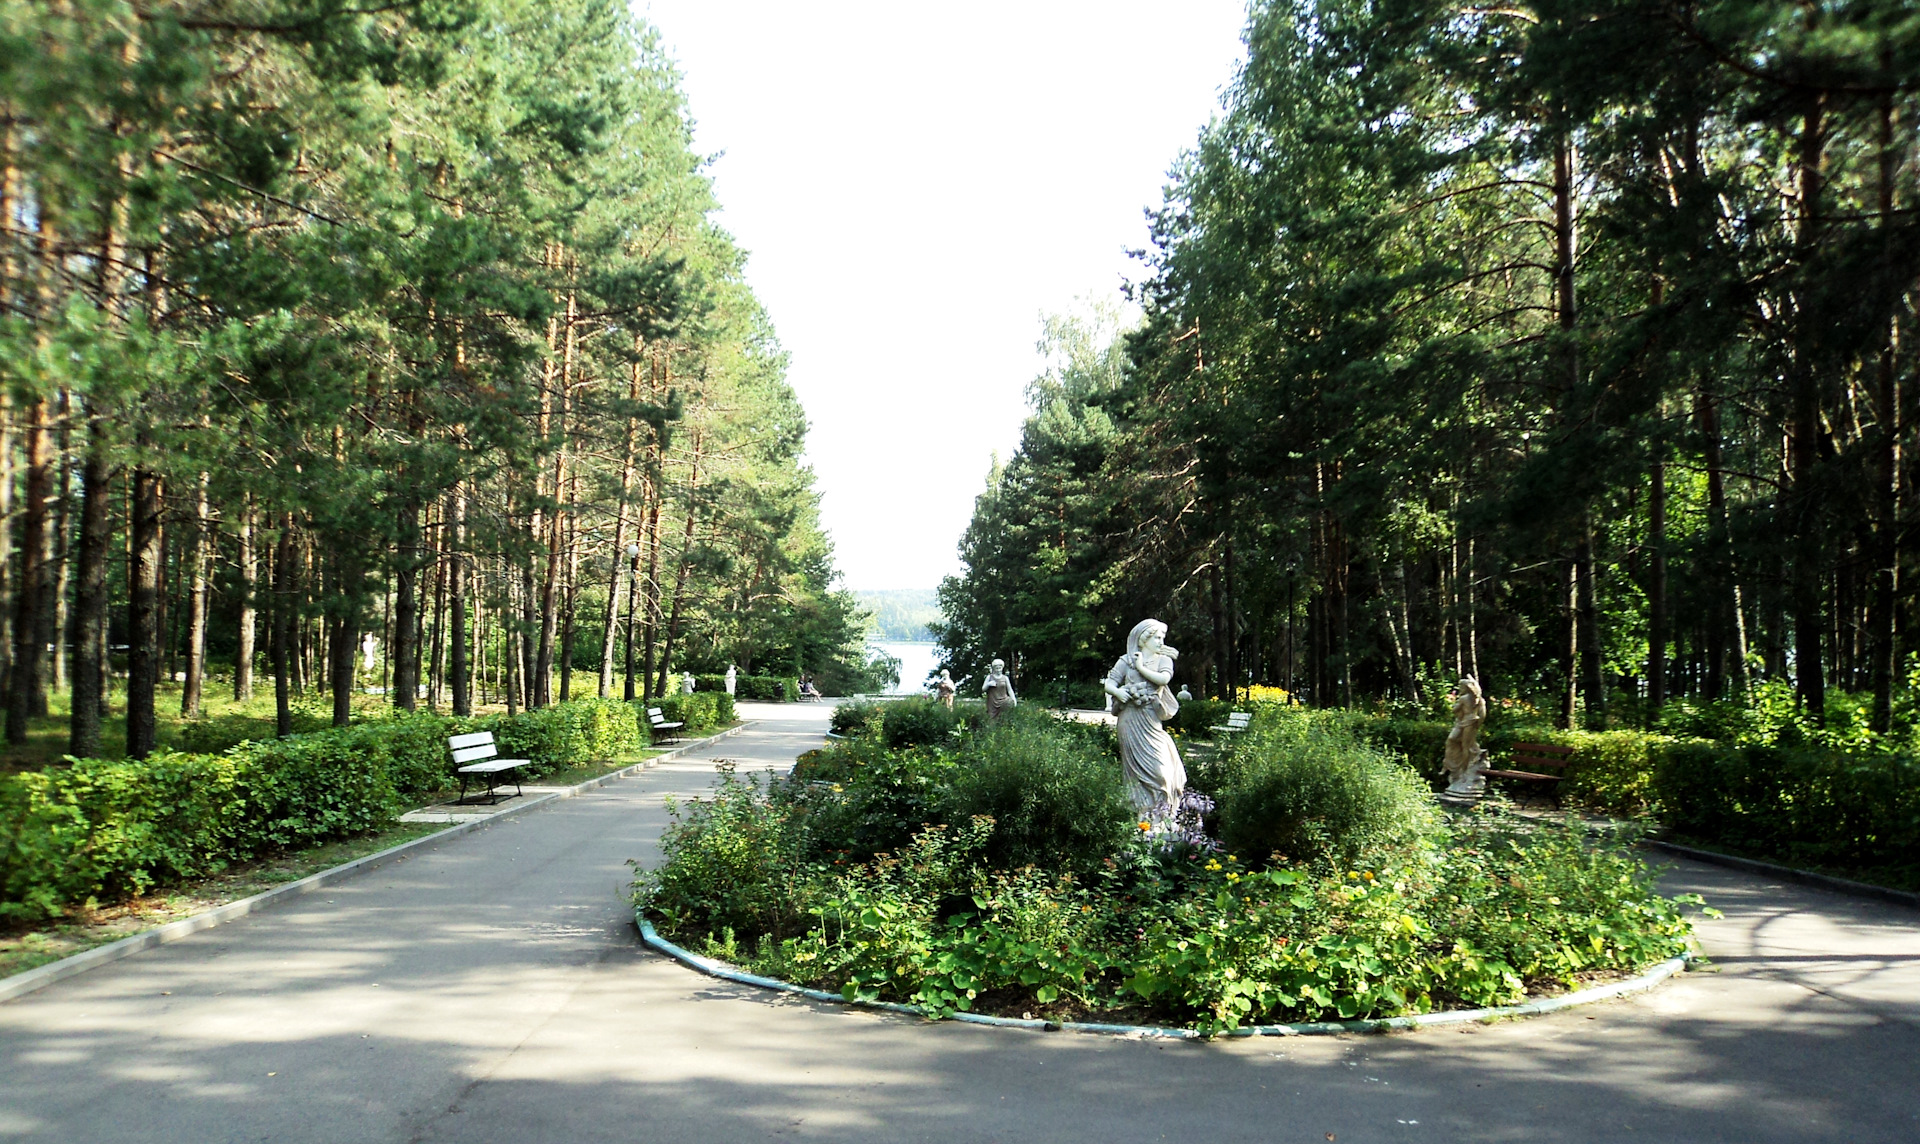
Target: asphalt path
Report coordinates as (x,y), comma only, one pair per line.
(492,988)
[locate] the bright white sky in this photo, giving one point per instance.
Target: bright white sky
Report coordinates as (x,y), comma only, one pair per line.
(916,184)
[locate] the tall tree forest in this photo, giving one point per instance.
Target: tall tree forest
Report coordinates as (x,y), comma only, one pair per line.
(387,348)
(1568,344)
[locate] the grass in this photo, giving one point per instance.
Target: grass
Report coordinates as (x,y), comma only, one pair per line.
(26,947)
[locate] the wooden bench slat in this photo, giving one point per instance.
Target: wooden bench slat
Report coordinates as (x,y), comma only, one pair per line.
(492,765)
(469,754)
(471,739)
(1524,775)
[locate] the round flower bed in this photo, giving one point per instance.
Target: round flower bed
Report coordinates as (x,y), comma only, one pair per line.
(1004,872)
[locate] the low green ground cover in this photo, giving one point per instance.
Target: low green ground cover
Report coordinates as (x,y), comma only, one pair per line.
(104,830)
(1002,869)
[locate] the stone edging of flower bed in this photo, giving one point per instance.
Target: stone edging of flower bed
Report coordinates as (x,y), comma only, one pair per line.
(1643,982)
(42,976)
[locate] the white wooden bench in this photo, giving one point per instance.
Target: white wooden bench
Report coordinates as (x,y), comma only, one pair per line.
(662,729)
(1236,721)
(475,755)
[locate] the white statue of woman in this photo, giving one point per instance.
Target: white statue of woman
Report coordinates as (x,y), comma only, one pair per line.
(945,689)
(1466,760)
(1156,778)
(998,690)
(733,677)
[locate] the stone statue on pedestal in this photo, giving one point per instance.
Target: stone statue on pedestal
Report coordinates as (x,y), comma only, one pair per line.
(1466,760)
(944,688)
(733,677)
(1156,778)
(998,690)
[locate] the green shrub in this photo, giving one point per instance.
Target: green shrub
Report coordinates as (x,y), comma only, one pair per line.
(1310,790)
(1056,799)
(107,828)
(919,721)
(310,788)
(1198,715)
(738,861)
(768,688)
(224,732)
(566,734)
(1422,743)
(701,711)
(1799,805)
(853,718)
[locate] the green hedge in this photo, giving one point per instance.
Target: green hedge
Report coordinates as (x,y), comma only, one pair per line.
(768,688)
(1805,806)
(102,829)
(701,711)
(564,734)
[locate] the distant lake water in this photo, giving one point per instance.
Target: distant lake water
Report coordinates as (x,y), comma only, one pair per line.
(916,661)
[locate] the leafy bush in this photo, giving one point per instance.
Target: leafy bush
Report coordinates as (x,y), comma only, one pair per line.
(880,796)
(740,862)
(853,718)
(1197,715)
(1310,790)
(106,828)
(1801,805)
(768,688)
(919,721)
(563,734)
(1056,800)
(1421,743)
(310,788)
(224,732)
(701,711)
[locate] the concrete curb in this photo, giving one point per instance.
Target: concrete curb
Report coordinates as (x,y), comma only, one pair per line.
(42,976)
(1640,984)
(1790,874)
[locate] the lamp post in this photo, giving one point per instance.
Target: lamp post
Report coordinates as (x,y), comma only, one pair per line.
(633,588)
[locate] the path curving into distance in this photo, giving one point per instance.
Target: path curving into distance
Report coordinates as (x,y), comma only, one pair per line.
(493,989)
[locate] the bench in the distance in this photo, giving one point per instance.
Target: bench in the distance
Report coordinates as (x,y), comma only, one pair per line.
(474,755)
(1528,761)
(1236,721)
(661,728)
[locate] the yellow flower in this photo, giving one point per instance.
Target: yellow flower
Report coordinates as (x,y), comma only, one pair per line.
(1368,875)
(1146,826)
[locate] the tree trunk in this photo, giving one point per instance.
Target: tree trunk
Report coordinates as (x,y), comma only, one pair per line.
(249,568)
(1809,619)
(1657,593)
(651,585)
(1882,636)
(30,587)
(60,545)
(1593,684)
(190,694)
(457,670)
(280,630)
(90,598)
(402,649)
(1570,649)
(143,612)
(343,646)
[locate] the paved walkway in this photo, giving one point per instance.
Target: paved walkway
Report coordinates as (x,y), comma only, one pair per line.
(493,990)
